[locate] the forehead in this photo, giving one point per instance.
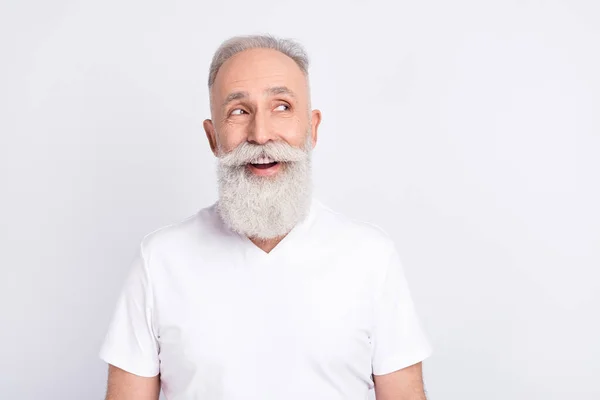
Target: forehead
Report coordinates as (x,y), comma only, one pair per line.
(256,70)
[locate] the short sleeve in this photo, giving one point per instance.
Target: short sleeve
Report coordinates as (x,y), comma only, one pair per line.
(130,343)
(398,338)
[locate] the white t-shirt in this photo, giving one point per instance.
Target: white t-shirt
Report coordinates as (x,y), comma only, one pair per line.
(220,319)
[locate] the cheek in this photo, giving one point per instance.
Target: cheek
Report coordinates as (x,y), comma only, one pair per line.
(226,145)
(228,139)
(294,132)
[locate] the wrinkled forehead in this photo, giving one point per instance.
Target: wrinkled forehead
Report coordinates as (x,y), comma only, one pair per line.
(255,72)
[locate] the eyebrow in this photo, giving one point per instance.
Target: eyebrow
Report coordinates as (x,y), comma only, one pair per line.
(235,96)
(272,91)
(280,90)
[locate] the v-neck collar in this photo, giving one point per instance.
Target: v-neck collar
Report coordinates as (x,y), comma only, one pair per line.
(253,252)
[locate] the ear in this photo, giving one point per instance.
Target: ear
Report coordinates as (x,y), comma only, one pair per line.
(315,121)
(211,135)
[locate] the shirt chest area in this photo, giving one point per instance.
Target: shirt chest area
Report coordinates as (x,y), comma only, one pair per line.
(234,318)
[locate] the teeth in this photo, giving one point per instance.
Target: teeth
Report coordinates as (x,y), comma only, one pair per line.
(263,160)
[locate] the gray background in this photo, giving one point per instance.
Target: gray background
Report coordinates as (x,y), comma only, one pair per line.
(468,130)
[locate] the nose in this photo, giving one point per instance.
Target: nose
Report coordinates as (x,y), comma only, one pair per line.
(259,130)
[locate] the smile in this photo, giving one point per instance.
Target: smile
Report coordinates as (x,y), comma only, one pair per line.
(264,166)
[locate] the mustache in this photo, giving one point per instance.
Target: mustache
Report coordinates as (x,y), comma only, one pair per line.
(248,152)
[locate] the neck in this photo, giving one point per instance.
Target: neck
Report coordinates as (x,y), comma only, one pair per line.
(267,245)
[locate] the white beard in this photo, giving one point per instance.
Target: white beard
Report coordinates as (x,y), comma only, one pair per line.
(265,207)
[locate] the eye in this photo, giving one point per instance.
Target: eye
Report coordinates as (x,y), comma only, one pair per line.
(282,107)
(238,111)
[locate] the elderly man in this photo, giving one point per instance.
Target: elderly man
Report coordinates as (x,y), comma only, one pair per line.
(266,294)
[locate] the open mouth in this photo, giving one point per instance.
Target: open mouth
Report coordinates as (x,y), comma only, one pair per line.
(264,166)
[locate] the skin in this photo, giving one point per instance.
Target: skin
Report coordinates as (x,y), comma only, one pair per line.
(123,385)
(261,95)
(404,384)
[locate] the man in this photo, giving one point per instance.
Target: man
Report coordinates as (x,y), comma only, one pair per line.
(267,294)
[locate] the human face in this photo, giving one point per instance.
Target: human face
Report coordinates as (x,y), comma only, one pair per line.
(258,96)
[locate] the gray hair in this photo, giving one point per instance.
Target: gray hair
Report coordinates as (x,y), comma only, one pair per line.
(237,44)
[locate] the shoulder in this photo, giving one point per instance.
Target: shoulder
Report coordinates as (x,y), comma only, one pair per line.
(354,233)
(181,234)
